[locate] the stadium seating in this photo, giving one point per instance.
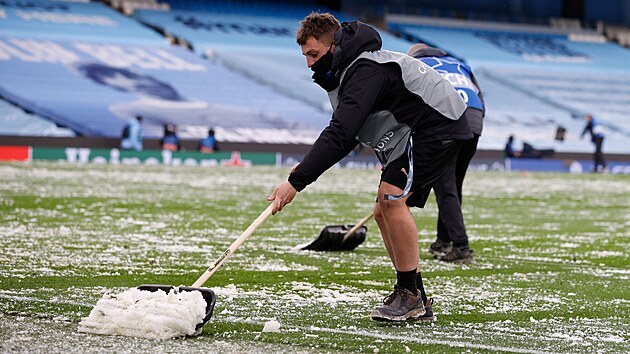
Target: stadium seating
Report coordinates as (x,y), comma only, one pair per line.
(252,39)
(284,9)
(538,78)
(14,121)
(246,66)
(91,21)
(129,6)
(94,86)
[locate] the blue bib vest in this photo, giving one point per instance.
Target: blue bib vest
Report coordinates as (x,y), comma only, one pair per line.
(459,75)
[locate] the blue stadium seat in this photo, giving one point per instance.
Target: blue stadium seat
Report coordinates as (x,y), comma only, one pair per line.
(14,121)
(91,21)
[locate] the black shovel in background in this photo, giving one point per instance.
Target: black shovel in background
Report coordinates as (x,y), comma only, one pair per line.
(339,237)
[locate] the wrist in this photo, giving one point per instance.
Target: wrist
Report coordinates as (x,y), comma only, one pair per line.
(295,183)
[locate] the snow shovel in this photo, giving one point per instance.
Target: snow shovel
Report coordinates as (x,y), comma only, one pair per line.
(339,238)
(208,294)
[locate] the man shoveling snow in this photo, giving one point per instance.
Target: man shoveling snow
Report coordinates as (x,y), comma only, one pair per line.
(147,314)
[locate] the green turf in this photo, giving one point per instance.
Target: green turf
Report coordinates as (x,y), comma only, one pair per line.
(551,271)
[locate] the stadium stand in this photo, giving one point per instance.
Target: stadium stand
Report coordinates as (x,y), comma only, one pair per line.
(91,21)
(252,38)
(129,6)
(286,9)
(619,34)
(14,121)
(522,68)
(240,60)
(93,87)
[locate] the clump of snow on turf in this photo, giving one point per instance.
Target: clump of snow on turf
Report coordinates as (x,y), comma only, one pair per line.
(146,314)
(271,326)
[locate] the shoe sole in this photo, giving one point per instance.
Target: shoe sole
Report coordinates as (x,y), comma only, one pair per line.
(426,319)
(438,254)
(409,316)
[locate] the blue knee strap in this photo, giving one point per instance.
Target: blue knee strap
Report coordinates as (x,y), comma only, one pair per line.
(409,175)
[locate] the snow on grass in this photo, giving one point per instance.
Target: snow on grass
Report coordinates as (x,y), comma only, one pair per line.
(550,270)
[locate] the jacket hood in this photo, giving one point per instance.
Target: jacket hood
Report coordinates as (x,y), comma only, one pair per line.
(427,52)
(352,39)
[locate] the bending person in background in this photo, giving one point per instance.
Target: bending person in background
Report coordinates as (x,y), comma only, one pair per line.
(597,137)
(131,137)
(452,243)
(412,118)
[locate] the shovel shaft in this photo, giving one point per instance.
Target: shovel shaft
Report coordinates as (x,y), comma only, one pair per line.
(239,241)
(357,226)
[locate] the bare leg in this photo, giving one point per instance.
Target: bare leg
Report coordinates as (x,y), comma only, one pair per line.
(401,231)
(380,221)
(400,235)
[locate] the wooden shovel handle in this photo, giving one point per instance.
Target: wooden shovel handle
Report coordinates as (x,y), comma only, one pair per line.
(239,241)
(357,226)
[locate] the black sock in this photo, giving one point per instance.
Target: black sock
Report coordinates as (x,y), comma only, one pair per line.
(421,287)
(407,280)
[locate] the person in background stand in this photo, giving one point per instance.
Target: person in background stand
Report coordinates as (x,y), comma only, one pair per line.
(208,144)
(170,141)
(452,244)
(131,137)
(597,137)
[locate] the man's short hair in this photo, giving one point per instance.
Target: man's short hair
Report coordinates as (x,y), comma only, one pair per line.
(416,47)
(320,26)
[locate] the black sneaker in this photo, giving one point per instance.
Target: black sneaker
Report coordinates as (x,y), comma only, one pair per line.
(400,306)
(428,315)
(458,255)
(439,248)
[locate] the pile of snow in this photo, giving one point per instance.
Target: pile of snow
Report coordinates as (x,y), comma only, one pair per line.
(271,326)
(146,314)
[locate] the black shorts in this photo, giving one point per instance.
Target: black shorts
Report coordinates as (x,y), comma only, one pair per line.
(430,161)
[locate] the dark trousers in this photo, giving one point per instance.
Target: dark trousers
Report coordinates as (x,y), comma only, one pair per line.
(448,192)
(599,155)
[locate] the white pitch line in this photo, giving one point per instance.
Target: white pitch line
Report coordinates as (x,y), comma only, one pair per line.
(403,338)
(426,341)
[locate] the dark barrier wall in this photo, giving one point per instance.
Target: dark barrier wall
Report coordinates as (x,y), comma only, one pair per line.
(516,8)
(612,11)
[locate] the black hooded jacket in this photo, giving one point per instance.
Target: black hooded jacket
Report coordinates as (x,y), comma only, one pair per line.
(367,87)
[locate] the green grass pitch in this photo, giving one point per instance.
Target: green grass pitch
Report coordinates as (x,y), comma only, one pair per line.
(551,271)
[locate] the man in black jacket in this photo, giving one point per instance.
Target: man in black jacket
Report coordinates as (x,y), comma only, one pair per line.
(409,115)
(452,244)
